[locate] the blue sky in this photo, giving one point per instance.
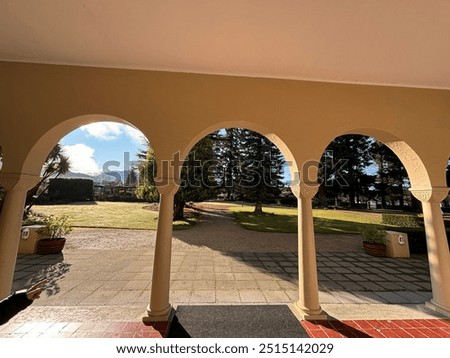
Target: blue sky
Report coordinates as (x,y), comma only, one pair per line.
(105,146)
(102,146)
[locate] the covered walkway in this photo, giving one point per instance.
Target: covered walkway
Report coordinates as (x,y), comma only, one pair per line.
(99,290)
(181,71)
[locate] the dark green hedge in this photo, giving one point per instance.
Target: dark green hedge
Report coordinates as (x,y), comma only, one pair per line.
(70,190)
(417,240)
(401,220)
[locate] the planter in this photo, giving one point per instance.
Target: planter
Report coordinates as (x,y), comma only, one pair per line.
(374,249)
(50,246)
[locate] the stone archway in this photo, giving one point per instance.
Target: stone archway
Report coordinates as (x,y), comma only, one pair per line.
(428,186)
(17,185)
(307,306)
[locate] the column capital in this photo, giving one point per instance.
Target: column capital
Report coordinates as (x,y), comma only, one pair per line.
(166,186)
(433,195)
(13,181)
(305,190)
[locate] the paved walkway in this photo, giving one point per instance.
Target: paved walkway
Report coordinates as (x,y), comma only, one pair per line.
(99,290)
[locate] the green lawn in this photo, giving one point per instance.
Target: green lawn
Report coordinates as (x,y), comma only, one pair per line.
(109,215)
(285,220)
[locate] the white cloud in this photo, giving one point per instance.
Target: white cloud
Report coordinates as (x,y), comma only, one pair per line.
(135,134)
(111,131)
(103,130)
(82,159)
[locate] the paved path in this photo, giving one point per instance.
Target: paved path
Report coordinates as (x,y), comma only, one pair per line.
(104,276)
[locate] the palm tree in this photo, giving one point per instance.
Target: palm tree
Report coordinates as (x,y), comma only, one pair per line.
(55,165)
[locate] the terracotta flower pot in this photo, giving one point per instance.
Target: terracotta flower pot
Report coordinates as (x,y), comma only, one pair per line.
(50,246)
(374,249)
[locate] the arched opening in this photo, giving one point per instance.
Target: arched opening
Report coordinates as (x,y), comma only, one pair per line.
(100,277)
(46,142)
(356,170)
(232,263)
(102,152)
(365,182)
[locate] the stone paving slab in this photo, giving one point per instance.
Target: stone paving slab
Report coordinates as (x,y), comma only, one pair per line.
(109,279)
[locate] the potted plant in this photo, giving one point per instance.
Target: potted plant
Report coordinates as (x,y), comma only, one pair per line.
(374,240)
(55,228)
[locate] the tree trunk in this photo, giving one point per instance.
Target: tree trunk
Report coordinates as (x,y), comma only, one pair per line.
(258,208)
(178,210)
(402,200)
(383,201)
(351,198)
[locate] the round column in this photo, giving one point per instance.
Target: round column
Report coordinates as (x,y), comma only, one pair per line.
(437,245)
(160,308)
(307,306)
(11,217)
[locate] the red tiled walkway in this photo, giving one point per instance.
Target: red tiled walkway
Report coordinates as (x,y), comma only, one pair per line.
(410,328)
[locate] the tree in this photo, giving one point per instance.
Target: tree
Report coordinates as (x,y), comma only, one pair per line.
(198,176)
(391,176)
(228,151)
(146,188)
(132,178)
(261,171)
(55,164)
(343,168)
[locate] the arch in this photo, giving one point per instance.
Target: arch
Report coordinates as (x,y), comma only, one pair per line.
(275,139)
(39,151)
(415,167)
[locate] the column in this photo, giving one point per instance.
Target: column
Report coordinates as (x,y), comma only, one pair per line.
(11,217)
(307,306)
(437,244)
(160,308)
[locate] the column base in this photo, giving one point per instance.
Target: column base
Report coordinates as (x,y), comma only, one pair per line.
(305,314)
(165,315)
(433,306)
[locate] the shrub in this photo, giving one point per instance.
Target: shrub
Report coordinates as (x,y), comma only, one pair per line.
(401,220)
(56,226)
(374,235)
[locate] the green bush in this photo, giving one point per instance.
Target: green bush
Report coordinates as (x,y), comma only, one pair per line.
(400,220)
(374,235)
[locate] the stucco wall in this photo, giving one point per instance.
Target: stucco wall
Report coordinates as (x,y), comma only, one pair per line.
(39,104)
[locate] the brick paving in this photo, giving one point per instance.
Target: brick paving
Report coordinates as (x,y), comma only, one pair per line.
(432,328)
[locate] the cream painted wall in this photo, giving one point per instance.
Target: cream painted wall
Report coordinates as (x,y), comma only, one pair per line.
(39,104)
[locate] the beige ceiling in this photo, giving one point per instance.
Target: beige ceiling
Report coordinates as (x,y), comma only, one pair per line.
(391,42)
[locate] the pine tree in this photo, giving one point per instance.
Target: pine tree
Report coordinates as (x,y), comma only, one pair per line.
(391,176)
(198,176)
(227,148)
(261,170)
(343,165)
(132,178)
